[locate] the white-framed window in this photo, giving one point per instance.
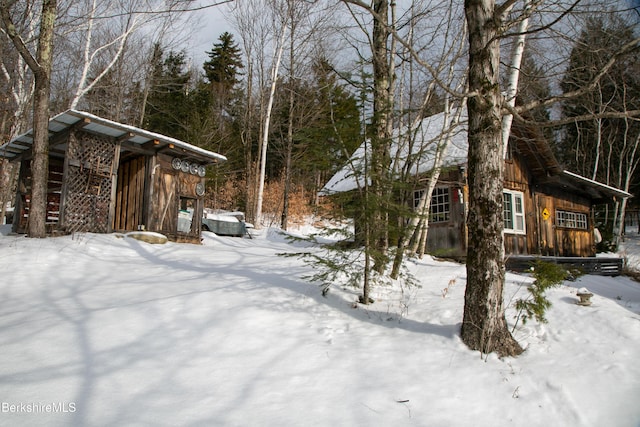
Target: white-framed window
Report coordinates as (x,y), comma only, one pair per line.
(513,212)
(571,220)
(440,205)
(440,208)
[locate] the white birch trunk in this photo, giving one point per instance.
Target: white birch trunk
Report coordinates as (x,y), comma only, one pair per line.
(631,166)
(514,76)
(267,122)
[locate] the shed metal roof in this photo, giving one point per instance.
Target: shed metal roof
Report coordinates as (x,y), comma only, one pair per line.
(126,134)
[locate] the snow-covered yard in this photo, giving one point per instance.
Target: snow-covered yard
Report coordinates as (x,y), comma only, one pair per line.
(100,330)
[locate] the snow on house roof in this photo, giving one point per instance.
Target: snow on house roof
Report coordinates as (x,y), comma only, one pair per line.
(429,134)
(432,132)
(124,133)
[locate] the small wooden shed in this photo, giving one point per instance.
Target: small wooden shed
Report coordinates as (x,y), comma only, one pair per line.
(106,176)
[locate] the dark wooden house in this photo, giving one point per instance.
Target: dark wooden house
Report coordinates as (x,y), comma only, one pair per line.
(106,176)
(547,210)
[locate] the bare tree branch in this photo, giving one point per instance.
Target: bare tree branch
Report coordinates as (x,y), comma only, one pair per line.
(12,32)
(167,10)
(628,47)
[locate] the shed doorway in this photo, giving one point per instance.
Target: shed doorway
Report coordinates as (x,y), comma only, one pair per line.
(129,200)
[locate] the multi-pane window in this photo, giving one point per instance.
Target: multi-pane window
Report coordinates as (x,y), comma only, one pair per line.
(440,208)
(571,220)
(513,212)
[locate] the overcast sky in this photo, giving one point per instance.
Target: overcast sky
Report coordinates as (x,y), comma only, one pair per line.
(212,23)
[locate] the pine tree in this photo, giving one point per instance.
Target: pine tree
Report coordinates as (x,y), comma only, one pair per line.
(167,103)
(223,70)
(335,132)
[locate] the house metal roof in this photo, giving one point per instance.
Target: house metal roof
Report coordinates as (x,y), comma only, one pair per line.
(129,136)
(594,188)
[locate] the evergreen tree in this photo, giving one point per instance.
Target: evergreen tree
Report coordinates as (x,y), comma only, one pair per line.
(224,62)
(337,132)
(323,119)
(327,125)
(223,70)
(167,104)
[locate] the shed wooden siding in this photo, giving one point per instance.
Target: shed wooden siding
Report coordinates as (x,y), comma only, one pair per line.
(92,190)
(168,188)
(164,195)
(89,190)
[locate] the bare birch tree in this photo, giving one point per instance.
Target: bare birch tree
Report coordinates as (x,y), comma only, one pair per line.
(446,61)
(281,24)
(97,36)
(513,72)
(259,36)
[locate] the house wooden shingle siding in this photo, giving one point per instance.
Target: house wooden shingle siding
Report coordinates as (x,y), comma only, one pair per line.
(106,176)
(547,210)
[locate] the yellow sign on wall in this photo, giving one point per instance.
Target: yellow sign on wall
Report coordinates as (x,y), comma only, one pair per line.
(545,214)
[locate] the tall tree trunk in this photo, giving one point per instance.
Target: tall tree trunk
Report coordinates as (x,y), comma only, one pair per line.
(246,136)
(484,326)
(41,68)
(284,220)
(286,193)
(40,162)
(626,173)
(267,122)
(380,153)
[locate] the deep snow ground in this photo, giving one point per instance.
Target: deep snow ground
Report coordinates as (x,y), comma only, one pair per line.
(113,331)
